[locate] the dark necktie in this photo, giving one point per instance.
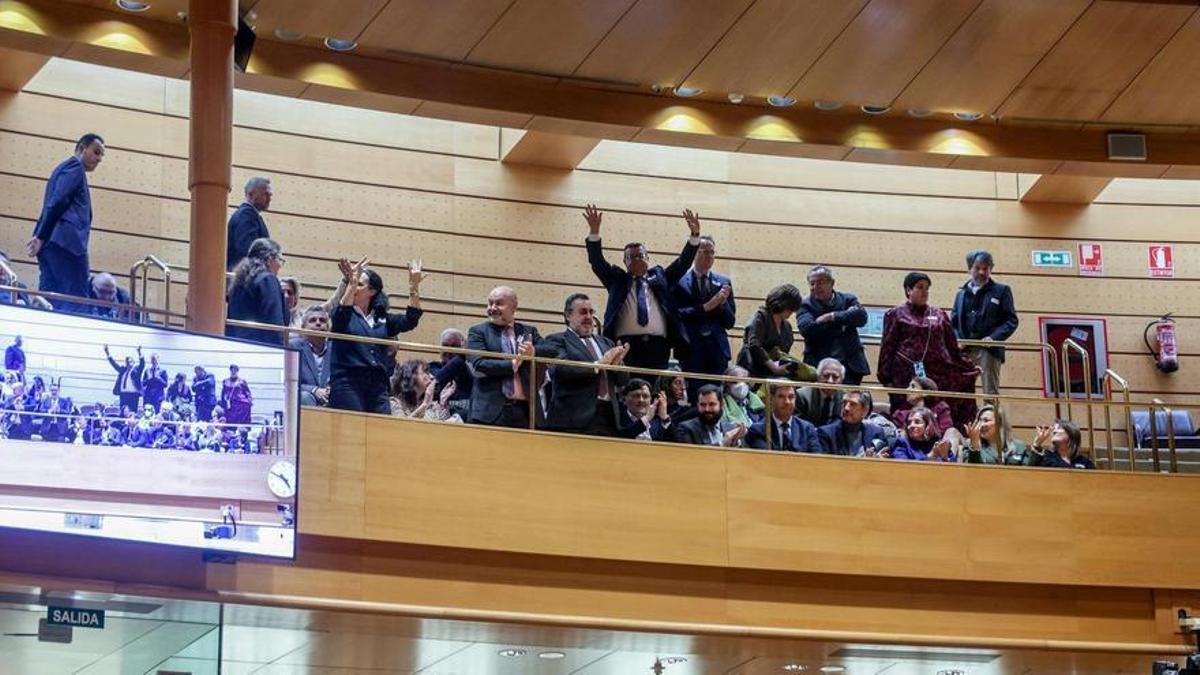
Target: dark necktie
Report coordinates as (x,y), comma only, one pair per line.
(704,287)
(785,435)
(643,305)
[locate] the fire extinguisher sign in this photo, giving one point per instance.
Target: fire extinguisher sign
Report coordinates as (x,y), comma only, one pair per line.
(1162,262)
(1091,260)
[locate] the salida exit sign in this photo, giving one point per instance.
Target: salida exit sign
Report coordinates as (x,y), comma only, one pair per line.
(74,616)
(1051,258)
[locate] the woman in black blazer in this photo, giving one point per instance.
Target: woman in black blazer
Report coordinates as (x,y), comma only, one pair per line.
(256,295)
(769,337)
(358,372)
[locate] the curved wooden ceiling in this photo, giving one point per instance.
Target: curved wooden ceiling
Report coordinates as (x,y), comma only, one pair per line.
(1103,61)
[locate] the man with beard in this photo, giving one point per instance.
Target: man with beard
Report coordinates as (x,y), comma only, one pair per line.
(850,435)
(705,428)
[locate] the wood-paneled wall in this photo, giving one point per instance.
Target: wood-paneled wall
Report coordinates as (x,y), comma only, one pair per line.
(350,182)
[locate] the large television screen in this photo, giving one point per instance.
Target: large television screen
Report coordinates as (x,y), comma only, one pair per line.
(134,432)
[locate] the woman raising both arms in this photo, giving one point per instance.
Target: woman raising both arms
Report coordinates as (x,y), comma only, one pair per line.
(358,371)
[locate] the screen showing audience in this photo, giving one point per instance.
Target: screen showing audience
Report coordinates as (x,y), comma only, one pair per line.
(138,433)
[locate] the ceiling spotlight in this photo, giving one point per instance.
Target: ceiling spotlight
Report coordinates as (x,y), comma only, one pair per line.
(289,35)
(511,653)
(826,105)
(736,98)
(781,101)
(340,45)
(551,656)
(671,660)
(875,109)
(686,92)
(795,668)
(920,112)
(968,116)
(131,6)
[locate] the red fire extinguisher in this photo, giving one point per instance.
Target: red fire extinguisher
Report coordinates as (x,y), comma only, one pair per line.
(1166,354)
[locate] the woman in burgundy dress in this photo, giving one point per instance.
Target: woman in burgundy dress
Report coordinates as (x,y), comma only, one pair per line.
(918,341)
(236,398)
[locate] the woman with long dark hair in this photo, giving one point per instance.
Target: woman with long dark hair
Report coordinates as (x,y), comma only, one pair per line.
(358,372)
(256,295)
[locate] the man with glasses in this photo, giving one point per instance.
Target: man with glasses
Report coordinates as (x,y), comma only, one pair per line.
(641,310)
(829,321)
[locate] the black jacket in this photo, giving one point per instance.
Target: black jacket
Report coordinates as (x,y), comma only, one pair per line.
(833,438)
(135,377)
(350,358)
(802,437)
(990,312)
(487,396)
(659,281)
(573,392)
(760,339)
(245,225)
(691,432)
(260,300)
(837,338)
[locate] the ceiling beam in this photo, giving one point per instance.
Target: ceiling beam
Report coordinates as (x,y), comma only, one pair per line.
(18,68)
(456,92)
(538,148)
(1058,189)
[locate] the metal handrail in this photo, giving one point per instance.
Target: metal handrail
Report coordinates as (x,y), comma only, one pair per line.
(78,299)
(1111,376)
(1170,436)
(1069,346)
(12,277)
(143,266)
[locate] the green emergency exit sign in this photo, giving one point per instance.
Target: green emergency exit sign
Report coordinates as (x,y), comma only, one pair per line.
(1051,258)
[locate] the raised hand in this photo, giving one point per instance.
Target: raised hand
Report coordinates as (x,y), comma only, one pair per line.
(719,299)
(974,433)
(415,274)
(734,435)
(593,217)
(660,406)
(429,391)
(357,269)
(1040,438)
(447,392)
(346,268)
(693,221)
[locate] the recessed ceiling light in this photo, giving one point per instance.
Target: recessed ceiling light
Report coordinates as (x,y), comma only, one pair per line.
(686,92)
(674,659)
(826,105)
(968,116)
(781,101)
(551,656)
(952,671)
(736,98)
(875,109)
(288,35)
(340,45)
(920,112)
(131,6)
(795,668)
(833,669)
(511,653)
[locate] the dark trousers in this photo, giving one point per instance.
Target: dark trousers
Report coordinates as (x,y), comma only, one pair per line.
(647,351)
(155,400)
(514,414)
(360,389)
(61,271)
(715,366)
(853,378)
(130,402)
(604,421)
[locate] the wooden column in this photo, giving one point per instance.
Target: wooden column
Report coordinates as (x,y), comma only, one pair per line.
(213,24)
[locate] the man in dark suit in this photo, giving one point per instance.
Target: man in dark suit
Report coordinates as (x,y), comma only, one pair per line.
(56,429)
(154,384)
(60,238)
(14,357)
(641,310)
(984,310)
(707,310)
(104,287)
(314,364)
(641,416)
(821,406)
(583,400)
(788,432)
(247,224)
(128,387)
(829,321)
(851,435)
(705,427)
(502,388)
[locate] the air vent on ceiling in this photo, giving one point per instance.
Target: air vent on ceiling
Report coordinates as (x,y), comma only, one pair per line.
(1127,147)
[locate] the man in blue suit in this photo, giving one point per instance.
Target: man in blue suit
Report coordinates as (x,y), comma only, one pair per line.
(247,224)
(788,432)
(641,310)
(60,238)
(851,435)
(707,309)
